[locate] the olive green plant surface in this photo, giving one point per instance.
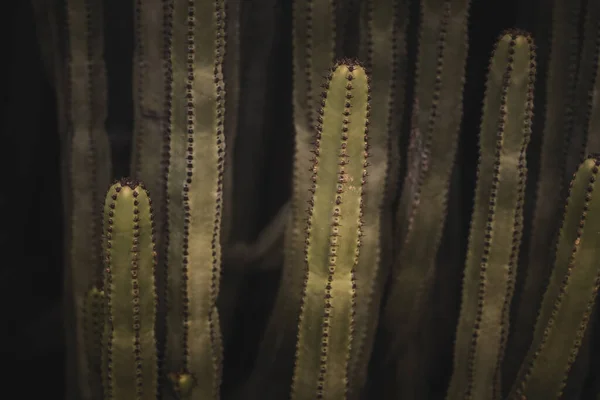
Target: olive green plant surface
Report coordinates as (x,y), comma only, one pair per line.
(496,224)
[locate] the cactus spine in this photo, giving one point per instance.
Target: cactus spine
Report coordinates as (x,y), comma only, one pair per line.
(496,225)
(570,295)
(326,327)
(196,40)
(130,365)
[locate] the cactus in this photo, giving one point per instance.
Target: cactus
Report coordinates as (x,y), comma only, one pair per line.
(560,84)
(382,50)
(497,221)
(130,365)
(332,253)
(570,295)
(421,213)
(89,173)
(314,41)
(194,178)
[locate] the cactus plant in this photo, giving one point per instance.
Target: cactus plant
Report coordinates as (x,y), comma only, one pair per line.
(496,225)
(570,296)
(333,254)
(549,197)
(421,212)
(129,352)
(194,188)
(89,169)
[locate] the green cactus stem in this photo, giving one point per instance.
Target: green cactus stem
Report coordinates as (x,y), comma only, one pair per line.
(326,327)
(561,83)
(88,152)
(314,42)
(196,38)
(422,208)
(383,51)
(129,344)
(497,222)
(93,327)
(570,296)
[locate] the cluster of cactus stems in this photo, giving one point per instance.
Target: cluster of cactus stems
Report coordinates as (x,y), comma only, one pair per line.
(151,329)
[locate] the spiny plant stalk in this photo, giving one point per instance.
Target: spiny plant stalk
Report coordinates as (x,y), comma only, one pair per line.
(89,174)
(383,51)
(584,95)
(94,326)
(570,296)
(561,82)
(332,251)
(196,39)
(130,365)
(150,113)
(496,225)
(314,42)
(421,214)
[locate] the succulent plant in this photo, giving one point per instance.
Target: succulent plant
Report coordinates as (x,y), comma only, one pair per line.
(129,349)
(333,254)
(194,179)
(497,221)
(365,253)
(87,171)
(570,297)
(422,207)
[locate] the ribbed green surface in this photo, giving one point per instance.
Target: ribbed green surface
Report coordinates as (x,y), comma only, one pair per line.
(496,224)
(195,180)
(570,295)
(332,237)
(130,358)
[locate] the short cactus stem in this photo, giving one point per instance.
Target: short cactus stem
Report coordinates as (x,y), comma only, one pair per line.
(497,222)
(570,296)
(326,327)
(129,344)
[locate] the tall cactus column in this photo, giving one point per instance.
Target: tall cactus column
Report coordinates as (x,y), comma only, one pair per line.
(570,297)
(497,221)
(129,354)
(333,238)
(89,164)
(196,39)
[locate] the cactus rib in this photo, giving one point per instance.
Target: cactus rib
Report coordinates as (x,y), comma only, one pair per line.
(570,296)
(497,220)
(130,354)
(326,324)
